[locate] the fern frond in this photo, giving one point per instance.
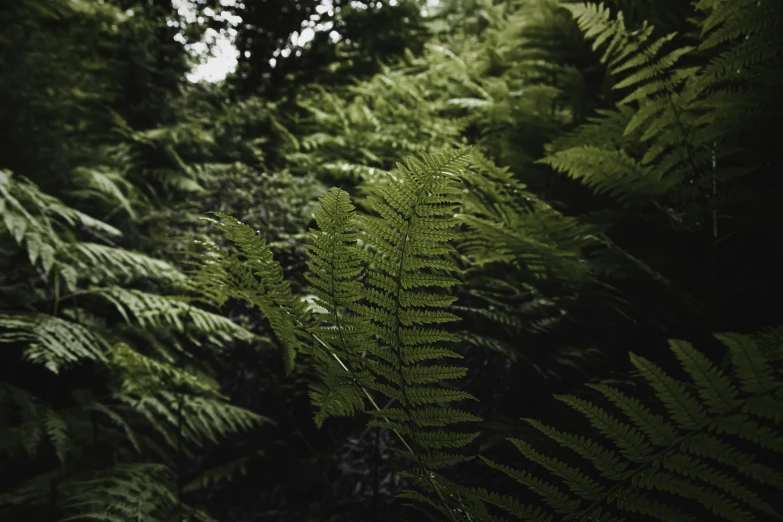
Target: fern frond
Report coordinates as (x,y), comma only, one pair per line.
(110,185)
(218,475)
(418,207)
(728,21)
(694,453)
(141,375)
(103,263)
(52,341)
(334,276)
(609,171)
(252,275)
(18,193)
(189,418)
(131,492)
(157,311)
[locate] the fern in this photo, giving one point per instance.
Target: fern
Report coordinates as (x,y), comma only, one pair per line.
(529,270)
(370,331)
(17,196)
(105,264)
(132,492)
(108,185)
(691,463)
(220,474)
(52,341)
(146,405)
(257,279)
(683,119)
(156,311)
(660,121)
(335,266)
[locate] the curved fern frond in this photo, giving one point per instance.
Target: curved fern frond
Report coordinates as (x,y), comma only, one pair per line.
(141,375)
(157,311)
(694,457)
(18,193)
(103,263)
(251,274)
(109,185)
(193,419)
(52,341)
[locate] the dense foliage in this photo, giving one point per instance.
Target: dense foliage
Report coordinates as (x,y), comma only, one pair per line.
(194,326)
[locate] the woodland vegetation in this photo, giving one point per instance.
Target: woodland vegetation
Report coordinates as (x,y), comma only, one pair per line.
(480,260)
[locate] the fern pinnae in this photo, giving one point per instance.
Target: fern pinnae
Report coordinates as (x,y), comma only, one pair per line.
(715,387)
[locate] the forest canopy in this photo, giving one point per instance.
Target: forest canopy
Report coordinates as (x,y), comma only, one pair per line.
(464,260)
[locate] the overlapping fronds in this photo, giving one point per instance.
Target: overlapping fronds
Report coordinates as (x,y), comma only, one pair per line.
(191,419)
(684,456)
(357,134)
(85,221)
(62,267)
(526,266)
(745,47)
(506,224)
(680,117)
(35,220)
(647,69)
(373,330)
(25,208)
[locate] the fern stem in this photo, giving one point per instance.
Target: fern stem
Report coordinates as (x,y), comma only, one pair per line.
(179,457)
(375,465)
(53,499)
(714,242)
(56,305)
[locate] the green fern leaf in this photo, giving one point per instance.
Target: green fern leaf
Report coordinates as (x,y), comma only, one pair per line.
(692,453)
